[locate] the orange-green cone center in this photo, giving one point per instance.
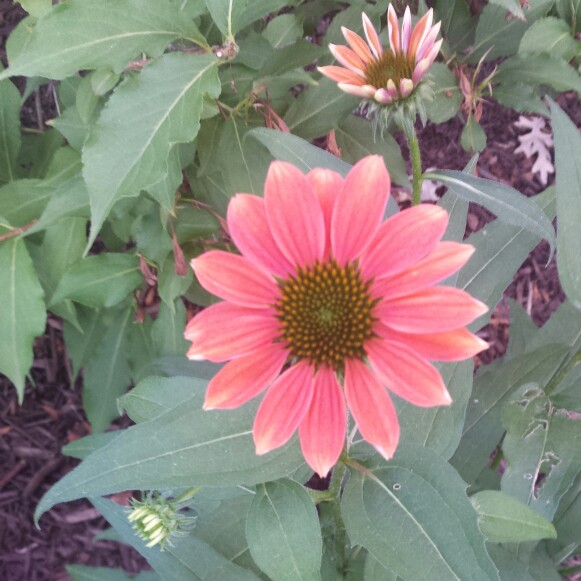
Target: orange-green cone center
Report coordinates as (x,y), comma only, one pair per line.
(388,66)
(326,314)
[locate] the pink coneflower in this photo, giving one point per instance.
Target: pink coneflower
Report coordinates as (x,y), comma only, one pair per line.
(327,306)
(388,75)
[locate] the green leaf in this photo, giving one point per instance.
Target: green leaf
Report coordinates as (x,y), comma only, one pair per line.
(503,519)
(500,250)
(473,138)
(570,11)
(568,187)
(9,131)
(539,441)
(186,446)
(36,8)
(288,147)
(413,516)
(447,94)
(230,16)
(283,30)
(375,571)
(103,80)
(23,200)
(549,35)
(283,532)
(512,6)
(107,374)
(22,311)
(457,23)
(82,447)
(507,203)
(520,97)
(542,69)
(522,329)
(154,396)
(99,281)
(492,387)
(356,140)
(187,558)
(82,573)
(129,147)
(168,330)
(83,338)
(319,109)
(108,33)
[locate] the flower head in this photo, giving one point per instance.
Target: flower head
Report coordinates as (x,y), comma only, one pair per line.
(327,307)
(389,75)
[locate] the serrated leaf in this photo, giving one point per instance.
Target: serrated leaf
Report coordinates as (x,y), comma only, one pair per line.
(99,281)
(129,147)
(503,519)
(356,140)
(187,446)
(413,516)
(9,131)
(186,558)
(288,147)
(319,109)
(108,33)
(568,187)
(107,374)
(22,311)
(230,16)
(507,203)
(283,532)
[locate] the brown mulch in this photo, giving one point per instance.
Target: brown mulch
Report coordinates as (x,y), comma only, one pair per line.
(32,435)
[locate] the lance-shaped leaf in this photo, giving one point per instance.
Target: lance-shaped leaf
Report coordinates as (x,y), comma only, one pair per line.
(9,131)
(507,203)
(283,532)
(568,186)
(22,311)
(106,34)
(186,446)
(128,149)
(99,281)
(187,557)
(412,514)
(504,519)
(297,151)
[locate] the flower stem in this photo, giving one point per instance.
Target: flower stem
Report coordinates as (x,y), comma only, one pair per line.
(414,147)
(340,531)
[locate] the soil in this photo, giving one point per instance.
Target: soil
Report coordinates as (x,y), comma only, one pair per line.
(32,435)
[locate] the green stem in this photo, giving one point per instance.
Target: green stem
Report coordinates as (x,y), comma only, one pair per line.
(340,531)
(415,154)
(562,372)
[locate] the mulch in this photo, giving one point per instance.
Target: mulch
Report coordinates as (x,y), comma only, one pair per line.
(32,435)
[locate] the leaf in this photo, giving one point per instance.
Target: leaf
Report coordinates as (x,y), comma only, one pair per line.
(507,203)
(188,558)
(168,330)
(154,396)
(107,374)
(413,516)
(549,35)
(22,201)
(512,6)
(503,519)
(230,16)
(108,33)
(82,447)
(128,149)
(500,250)
(82,573)
(319,109)
(568,187)
(36,8)
(473,138)
(9,131)
(288,147)
(99,281)
(447,95)
(457,23)
(22,312)
(283,30)
(492,387)
(186,446)
(520,97)
(356,140)
(542,69)
(283,532)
